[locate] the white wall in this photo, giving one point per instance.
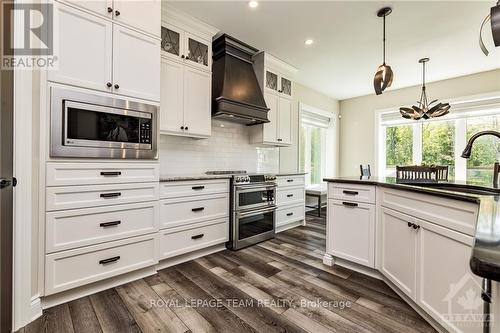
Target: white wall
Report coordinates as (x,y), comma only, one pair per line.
(227,149)
(289,156)
(357,125)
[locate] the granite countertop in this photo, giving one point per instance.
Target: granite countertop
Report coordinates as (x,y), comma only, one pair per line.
(485,257)
(201,176)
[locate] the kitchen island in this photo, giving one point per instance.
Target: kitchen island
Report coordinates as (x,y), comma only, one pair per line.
(429,242)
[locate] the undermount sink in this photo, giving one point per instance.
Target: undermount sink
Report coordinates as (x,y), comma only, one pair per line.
(470,189)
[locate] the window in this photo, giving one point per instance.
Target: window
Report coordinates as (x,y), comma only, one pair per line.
(315,144)
(441,141)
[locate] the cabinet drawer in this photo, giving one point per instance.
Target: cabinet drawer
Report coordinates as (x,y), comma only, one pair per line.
(189,188)
(174,242)
(290,180)
(62,174)
(70,197)
(352,192)
(70,269)
(351,231)
(454,214)
(286,196)
(175,212)
(290,214)
(82,227)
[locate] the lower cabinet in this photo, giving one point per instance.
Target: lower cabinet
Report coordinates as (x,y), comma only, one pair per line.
(352,231)
(290,201)
(430,264)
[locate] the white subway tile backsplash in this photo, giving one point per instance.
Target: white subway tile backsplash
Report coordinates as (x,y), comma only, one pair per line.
(227,149)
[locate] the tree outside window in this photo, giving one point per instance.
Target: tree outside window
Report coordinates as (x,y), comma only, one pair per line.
(399,145)
(438,145)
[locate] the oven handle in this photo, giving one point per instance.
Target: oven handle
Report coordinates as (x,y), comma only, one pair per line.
(255,212)
(243,189)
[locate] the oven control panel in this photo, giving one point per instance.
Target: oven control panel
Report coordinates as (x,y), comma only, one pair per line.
(253,179)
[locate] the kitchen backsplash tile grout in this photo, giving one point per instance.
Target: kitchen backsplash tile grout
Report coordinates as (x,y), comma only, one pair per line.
(227,149)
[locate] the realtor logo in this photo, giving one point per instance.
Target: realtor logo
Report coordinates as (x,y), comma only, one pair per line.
(32,44)
(464,303)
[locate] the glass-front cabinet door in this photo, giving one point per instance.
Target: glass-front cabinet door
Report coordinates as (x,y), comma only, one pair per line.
(271,81)
(171,41)
(198,52)
(286,86)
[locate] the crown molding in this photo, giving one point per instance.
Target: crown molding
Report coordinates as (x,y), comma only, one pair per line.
(175,16)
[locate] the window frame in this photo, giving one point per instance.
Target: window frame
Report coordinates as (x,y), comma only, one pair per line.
(461,109)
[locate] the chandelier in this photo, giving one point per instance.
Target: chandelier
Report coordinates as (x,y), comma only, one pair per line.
(424,109)
(384,75)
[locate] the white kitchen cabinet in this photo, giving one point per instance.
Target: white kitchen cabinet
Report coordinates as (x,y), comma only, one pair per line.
(142,15)
(99,7)
(185,100)
(197,102)
(290,201)
(285,121)
(136,65)
(185,46)
(95,53)
(352,231)
(172,96)
(85,49)
(446,285)
(397,246)
(274,77)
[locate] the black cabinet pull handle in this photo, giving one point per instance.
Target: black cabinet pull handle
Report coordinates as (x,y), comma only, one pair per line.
(109,260)
(350,204)
(199,209)
(117,13)
(289,195)
(289,180)
(109,84)
(289,214)
(110,9)
(197,236)
(110,195)
(111,173)
(109,224)
(117,86)
(350,192)
(198,187)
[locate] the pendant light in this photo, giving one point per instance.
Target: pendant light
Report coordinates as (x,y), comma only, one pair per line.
(384,76)
(425,109)
(494,18)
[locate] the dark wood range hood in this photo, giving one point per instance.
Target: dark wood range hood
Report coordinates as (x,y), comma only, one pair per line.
(236,93)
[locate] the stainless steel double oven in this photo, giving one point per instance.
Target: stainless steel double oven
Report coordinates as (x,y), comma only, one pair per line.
(253,210)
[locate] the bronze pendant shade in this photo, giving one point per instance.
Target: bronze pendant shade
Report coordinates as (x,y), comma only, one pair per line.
(494,19)
(384,75)
(424,109)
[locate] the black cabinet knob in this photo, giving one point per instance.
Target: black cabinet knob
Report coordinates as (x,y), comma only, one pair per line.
(182,56)
(415,226)
(410,224)
(110,10)
(117,86)
(182,127)
(117,12)
(186,128)
(109,84)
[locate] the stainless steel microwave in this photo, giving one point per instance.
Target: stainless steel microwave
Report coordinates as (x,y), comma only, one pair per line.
(89,125)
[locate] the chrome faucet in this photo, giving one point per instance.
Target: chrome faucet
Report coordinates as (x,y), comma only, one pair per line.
(468,150)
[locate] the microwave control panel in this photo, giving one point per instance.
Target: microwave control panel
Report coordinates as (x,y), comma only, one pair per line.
(145,131)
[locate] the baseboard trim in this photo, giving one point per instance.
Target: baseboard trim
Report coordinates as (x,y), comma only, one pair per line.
(189,256)
(352,266)
(290,226)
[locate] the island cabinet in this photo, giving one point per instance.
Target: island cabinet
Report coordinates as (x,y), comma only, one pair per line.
(351,223)
(427,260)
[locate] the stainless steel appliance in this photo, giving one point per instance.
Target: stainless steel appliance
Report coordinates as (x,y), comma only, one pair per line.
(253,208)
(91,125)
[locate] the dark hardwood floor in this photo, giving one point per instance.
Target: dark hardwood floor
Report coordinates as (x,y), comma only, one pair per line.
(280,285)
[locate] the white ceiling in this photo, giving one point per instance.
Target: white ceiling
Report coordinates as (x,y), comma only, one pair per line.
(347,37)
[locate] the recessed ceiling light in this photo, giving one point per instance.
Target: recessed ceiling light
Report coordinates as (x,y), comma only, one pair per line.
(308,42)
(253,4)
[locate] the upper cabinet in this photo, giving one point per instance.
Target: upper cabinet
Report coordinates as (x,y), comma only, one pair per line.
(186,75)
(275,80)
(94,52)
(142,15)
(181,45)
